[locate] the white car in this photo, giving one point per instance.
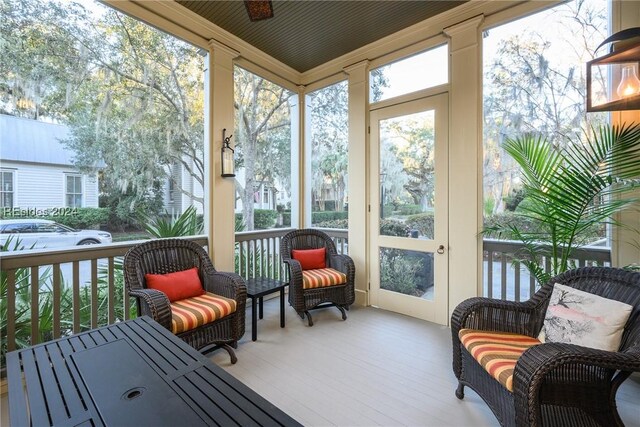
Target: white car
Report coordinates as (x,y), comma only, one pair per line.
(43,233)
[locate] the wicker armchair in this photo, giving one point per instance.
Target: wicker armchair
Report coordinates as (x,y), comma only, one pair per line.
(303,300)
(170,255)
(553,384)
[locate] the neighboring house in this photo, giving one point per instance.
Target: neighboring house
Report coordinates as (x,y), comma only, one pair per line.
(37,171)
(265,195)
(175,201)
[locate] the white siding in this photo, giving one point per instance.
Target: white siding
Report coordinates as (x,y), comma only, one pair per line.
(43,186)
(90,199)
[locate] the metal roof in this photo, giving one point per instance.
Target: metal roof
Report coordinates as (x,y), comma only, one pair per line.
(33,141)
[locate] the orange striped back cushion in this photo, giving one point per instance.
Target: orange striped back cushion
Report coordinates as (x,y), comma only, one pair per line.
(322,277)
(497,352)
(189,313)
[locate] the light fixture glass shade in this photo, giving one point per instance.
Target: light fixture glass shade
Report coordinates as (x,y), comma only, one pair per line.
(228,166)
(629,83)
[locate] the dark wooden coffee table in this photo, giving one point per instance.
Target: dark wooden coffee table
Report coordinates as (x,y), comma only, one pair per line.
(129,373)
(257,288)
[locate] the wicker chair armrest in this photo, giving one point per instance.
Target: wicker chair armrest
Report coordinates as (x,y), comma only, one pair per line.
(228,285)
(295,273)
(495,315)
(154,304)
(342,263)
(538,362)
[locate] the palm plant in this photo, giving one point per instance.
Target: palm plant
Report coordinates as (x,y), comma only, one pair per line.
(185,224)
(570,190)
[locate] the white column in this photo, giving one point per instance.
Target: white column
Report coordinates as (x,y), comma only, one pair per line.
(358,199)
(220,218)
(465,161)
(296,110)
(305,196)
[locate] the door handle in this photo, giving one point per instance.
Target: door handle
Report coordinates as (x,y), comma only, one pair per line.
(440,249)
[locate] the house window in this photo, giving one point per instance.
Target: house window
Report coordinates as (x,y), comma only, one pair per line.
(74,191)
(421,71)
(265,196)
(328,155)
(6,189)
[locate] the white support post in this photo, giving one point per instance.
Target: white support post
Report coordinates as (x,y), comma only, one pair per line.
(465,161)
(358,199)
(221,217)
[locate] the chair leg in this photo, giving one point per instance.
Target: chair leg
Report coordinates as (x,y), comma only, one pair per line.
(232,353)
(460,391)
(344,314)
(306,312)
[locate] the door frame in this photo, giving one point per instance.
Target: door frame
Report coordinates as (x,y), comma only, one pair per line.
(435,310)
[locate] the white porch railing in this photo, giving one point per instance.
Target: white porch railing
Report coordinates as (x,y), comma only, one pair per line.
(258,252)
(50,293)
(82,288)
(509,280)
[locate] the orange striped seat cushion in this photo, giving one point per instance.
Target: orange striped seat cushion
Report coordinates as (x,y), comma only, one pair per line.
(497,352)
(321,277)
(189,313)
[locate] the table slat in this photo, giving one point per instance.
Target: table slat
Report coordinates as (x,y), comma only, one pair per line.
(37,403)
(54,402)
(17,397)
(71,396)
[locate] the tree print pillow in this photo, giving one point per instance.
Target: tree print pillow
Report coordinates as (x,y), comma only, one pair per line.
(581,318)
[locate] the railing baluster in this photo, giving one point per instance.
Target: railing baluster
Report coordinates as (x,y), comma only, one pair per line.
(532,285)
(56,300)
(76,297)
(503,276)
(11,310)
(516,267)
(94,293)
(111,290)
(490,274)
(126,303)
(35,305)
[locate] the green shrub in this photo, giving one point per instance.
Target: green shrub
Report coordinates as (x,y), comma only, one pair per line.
(387,210)
(409,209)
(514,198)
(422,222)
(264,219)
(488,206)
(317,217)
(336,223)
(529,225)
(392,227)
(398,273)
(79,218)
(239,222)
(286,219)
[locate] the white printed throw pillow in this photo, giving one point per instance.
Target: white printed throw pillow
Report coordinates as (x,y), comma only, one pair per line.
(581,318)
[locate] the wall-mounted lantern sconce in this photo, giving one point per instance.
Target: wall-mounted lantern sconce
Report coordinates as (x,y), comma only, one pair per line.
(612,79)
(228,165)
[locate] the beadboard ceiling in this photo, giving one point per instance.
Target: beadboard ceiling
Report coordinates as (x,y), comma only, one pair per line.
(306,33)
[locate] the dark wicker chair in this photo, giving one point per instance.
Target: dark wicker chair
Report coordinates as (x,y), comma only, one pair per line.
(303,300)
(170,255)
(553,384)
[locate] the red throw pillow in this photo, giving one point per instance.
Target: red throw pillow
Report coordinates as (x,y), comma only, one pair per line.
(176,286)
(310,259)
